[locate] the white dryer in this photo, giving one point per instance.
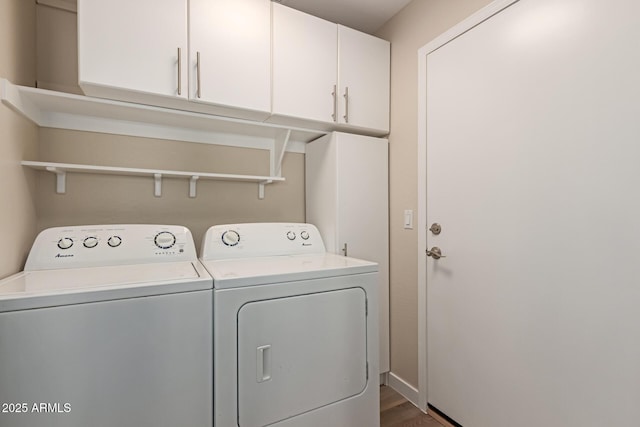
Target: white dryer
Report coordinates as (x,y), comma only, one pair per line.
(107,326)
(295,329)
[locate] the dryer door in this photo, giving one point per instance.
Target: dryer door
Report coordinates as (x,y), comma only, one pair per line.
(299,353)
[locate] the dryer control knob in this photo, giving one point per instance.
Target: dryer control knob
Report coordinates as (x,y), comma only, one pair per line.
(291,235)
(90,242)
(165,240)
(114,241)
(304,235)
(65,243)
(230,238)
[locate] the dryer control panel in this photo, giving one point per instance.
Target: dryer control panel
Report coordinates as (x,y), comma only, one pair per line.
(107,245)
(260,239)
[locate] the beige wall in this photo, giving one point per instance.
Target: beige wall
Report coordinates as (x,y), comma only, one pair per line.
(413,27)
(18,136)
(97,199)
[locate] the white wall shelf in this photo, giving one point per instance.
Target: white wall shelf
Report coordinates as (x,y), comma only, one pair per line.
(61,169)
(61,110)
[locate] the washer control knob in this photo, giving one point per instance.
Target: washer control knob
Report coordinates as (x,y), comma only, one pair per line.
(90,242)
(65,243)
(230,238)
(114,241)
(304,235)
(165,240)
(291,235)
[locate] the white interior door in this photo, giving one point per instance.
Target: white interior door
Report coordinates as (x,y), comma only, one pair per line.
(533,137)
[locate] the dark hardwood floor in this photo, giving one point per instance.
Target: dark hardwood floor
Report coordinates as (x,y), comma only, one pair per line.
(396,411)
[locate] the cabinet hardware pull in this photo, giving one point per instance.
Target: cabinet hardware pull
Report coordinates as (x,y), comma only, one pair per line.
(179,71)
(198,93)
(334,116)
(346,104)
(344,249)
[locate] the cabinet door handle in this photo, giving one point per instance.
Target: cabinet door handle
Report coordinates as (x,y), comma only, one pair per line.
(198,92)
(334,116)
(179,71)
(344,249)
(346,104)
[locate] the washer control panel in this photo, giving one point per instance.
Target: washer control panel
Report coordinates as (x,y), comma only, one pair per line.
(104,245)
(260,239)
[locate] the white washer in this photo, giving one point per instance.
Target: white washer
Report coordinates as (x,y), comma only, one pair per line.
(107,326)
(295,329)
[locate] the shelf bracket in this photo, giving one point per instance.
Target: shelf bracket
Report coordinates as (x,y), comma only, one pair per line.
(192,186)
(157,184)
(277,154)
(61,179)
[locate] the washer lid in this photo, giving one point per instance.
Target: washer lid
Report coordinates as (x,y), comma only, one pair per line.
(48,288)
(235,273)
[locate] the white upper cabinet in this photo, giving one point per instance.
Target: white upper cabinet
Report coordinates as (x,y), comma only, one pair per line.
(233,42)
(145,52)
(136,46)
(304,65)
(332,75)
(250,59)
(363,76)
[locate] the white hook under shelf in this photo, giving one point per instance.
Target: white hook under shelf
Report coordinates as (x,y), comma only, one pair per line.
(157,184)
(261,188)
(61,179)
(192,186)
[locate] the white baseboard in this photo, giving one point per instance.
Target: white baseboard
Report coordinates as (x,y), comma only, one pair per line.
(404,388)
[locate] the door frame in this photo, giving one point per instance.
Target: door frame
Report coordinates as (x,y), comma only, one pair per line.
(477,18)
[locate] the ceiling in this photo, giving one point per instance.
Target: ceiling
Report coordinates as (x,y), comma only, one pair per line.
(364,15)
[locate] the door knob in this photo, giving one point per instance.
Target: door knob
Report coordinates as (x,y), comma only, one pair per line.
(435,253)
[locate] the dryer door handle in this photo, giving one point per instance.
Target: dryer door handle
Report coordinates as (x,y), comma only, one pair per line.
(263,363)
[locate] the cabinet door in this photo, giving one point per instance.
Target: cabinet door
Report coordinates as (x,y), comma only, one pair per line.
(233,38)
(346,183)
(363,214)
(132,45)
(363,77)
(304,65)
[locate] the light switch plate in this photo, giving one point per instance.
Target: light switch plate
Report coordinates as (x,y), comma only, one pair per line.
(408,219)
